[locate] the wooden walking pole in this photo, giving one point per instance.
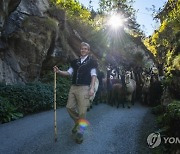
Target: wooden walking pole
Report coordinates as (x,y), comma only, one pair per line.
(55,122)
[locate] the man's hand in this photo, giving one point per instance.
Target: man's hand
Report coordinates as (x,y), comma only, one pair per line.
(61,73)
(56,69)
(91,92)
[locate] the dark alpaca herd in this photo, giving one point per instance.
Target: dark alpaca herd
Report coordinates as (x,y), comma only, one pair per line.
(127,86)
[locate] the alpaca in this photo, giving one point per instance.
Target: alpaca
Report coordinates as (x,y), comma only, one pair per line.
(130,88)
(117,95)
(146,89)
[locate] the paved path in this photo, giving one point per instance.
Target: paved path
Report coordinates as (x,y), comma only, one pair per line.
(111,131)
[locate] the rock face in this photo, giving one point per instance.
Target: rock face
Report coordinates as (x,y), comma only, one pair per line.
(29,37)
(6,7)
(34,36)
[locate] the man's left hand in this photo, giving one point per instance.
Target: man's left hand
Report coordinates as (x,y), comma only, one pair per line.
(91,92)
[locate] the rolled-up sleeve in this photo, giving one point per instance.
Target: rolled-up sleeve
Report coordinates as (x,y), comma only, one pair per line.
(93,72)
(70,70)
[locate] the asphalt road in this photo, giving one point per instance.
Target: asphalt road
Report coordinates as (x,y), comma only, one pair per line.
(111,131)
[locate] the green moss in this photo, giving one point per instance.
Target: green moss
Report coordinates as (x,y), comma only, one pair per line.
(37,24)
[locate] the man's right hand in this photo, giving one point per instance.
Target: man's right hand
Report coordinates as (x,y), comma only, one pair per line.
(56,69)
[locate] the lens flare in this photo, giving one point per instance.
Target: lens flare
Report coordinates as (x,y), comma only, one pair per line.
(83,124)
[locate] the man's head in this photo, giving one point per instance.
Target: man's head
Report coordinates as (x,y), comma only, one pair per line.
(85,49)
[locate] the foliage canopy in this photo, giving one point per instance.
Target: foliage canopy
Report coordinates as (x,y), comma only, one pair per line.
(165,42)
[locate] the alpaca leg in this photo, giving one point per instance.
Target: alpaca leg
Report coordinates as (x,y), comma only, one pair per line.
(109,98)
(122,101)
(133,97)
(117,103)
(129,103)
(142,98)
(148,99)
(113,101)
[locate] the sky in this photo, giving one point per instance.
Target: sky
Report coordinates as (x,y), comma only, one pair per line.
(144,17)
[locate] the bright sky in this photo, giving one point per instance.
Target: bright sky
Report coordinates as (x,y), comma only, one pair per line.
(144,17)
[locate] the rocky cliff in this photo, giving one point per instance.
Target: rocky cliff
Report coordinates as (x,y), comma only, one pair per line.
(32,37)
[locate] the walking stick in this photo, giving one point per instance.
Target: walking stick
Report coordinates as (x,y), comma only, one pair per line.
(55,122)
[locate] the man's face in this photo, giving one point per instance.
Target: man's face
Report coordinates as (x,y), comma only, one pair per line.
(84,51)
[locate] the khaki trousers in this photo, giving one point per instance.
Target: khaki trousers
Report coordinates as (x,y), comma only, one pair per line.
(78,102)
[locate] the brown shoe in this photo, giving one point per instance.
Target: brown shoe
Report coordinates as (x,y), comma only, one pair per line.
(79,138)
(75,128)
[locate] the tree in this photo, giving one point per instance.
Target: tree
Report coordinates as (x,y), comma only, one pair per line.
(123,7)
(164,43)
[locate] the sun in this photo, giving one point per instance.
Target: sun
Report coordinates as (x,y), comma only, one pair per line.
(115,21)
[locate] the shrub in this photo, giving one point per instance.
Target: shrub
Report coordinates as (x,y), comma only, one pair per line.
(158,109)
(33,97)
(172,117)
(172,121)
(169,122)
(7,111)
(169,117)
(62,85)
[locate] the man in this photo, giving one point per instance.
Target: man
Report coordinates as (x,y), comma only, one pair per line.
(83,72)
